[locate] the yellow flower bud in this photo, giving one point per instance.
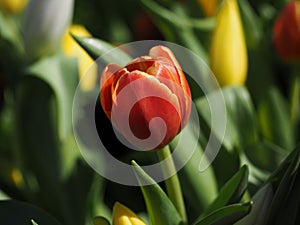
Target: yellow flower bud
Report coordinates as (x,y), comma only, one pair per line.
(228,53)
(124,216)
(86,65)
(208,6)
(13,6)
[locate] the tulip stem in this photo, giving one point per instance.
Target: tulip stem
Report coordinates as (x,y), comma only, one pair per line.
(172,183)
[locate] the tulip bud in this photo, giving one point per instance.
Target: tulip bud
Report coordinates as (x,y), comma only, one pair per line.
(45,22)
(149,100)
(286,32)
(228,52)
(86,65)
(208,7)
(13,6)
(124,216)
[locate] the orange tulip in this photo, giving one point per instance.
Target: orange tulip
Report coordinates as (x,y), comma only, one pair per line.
(286,32)
(147,88)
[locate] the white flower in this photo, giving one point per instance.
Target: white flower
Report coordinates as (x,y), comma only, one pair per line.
(45,22)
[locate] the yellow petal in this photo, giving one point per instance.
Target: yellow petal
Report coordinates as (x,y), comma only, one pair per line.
(124,216)
(86,67)
(228,53)
(13,6)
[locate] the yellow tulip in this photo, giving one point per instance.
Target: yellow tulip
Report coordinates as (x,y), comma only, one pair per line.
(86,67)
(124,216)
(13,6)
(228,52)
(208,6)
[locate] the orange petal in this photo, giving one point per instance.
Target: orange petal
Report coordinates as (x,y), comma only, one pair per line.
(146,99)
(106,80)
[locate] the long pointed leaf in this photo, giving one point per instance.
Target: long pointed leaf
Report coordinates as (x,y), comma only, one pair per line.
(261,203)
(232,191)
(160,209)
(285,186)
(227,215)
(97,48)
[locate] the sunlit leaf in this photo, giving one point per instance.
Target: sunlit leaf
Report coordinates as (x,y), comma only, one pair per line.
(160,209)
(97,48)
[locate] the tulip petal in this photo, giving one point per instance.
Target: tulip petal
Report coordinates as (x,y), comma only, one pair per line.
(167,77)
(149,99)
(141,64)
(286,32)
(106,80)
(161,52)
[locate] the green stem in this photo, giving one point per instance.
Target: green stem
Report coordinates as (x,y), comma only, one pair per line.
(172,183)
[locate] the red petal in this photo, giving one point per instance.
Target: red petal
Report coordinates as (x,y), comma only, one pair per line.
(106,80)
(141,64)
(184,95)
(141,97)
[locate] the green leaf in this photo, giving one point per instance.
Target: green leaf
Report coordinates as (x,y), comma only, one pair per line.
(33,222)
(160,209)
(251,24)
(290,210)
(240,127)
(97,48)
(261,203)
(9,29)
(278,201)
(177,24)
(265,156)
(274,108)
(173,19)
(283,181)
(99,220)
(232,191)
(62,76)
(20,213)
(39,146)
(199,187)
(3,196)
(227,215)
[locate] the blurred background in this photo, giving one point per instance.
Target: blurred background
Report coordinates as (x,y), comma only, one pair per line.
(40,68)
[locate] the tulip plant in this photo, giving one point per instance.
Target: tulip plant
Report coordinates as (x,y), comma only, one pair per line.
(94,130)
